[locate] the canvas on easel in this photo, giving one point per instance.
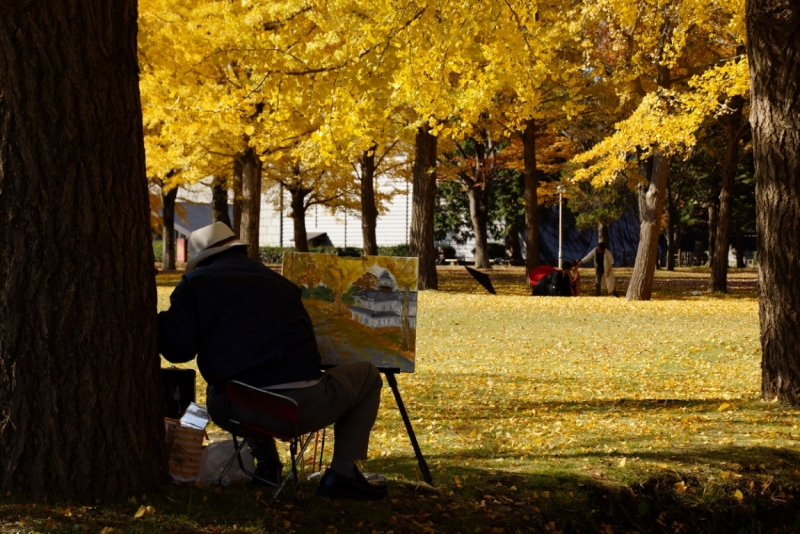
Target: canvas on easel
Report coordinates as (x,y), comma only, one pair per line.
(362,308)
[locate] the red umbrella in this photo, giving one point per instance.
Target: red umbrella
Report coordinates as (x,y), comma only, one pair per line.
(537,273)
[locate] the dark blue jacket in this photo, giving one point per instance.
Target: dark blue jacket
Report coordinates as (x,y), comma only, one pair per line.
(243,321)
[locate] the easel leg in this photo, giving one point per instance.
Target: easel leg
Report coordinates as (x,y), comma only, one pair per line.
(423,465)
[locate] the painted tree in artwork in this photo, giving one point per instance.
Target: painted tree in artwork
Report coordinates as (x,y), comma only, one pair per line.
(404,271)
(339,274)
(302,269)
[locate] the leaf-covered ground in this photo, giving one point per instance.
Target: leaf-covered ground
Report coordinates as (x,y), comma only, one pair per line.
(538,415)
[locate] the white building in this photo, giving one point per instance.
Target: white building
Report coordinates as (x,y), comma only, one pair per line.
(276,228)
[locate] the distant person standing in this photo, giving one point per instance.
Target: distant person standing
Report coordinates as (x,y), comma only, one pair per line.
(604,269)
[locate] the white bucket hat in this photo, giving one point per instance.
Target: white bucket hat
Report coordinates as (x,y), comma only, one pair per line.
(210,240)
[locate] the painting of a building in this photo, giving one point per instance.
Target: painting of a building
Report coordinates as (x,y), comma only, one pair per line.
(380,309)
(363,308)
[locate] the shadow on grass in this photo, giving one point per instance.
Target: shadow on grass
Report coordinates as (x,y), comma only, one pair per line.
(667,501)
(465,498)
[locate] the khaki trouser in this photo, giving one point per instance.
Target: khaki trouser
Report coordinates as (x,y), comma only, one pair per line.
(347,396)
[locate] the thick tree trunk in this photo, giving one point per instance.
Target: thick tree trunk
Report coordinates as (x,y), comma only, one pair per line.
(479,215)
(219,201)
(651,205)
(713,221)
(672,227)
(168,230)
(238,169)
(774,54)
(719,263)
(672,244)
(423,202)
(80,402)
(531,197)
(299,195)
(513,243)
(251,202)
(739,250)
(369,211)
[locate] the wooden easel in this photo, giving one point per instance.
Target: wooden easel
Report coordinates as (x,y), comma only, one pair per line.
(423,465)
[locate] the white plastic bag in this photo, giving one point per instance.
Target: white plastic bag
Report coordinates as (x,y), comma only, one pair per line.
(213,461)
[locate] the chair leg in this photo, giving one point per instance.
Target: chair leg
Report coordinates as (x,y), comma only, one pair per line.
(304,441)
(236,455)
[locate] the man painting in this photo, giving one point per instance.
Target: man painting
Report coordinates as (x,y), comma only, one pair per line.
(245,322)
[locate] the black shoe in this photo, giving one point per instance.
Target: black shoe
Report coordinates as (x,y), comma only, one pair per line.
(615,293)
(336,486)
(269,470)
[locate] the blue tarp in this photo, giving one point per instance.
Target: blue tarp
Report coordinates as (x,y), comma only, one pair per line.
(623,238)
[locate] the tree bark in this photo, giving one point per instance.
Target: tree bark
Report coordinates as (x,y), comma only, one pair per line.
(168,231)
(651,205)
(672,227)
(299,193)
(251,202)
(81,411)
(369,211)
(719,260)
(774,52)
(479,215)
(423,199)
(238,169)
(219,201)
(513,243)
(713,221)
(531,197)
(739,250)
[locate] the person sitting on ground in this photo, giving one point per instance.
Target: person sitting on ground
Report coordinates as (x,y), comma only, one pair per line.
(555,284)
(245,322)
(604,268)
(440,257)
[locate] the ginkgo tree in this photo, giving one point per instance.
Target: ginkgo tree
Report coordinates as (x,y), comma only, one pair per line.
(669,67)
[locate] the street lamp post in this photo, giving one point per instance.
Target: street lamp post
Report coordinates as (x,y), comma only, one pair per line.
(561,190)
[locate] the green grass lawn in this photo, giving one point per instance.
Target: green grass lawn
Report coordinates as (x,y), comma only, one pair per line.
(539,415)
